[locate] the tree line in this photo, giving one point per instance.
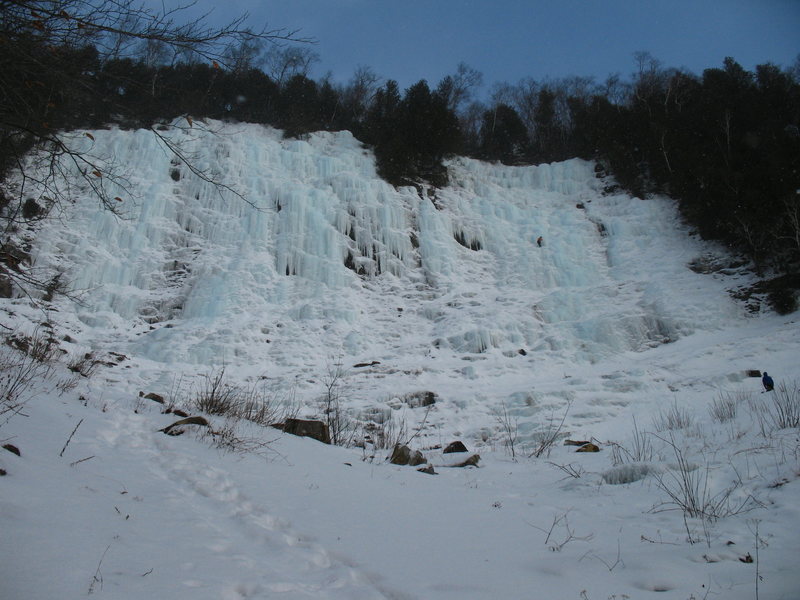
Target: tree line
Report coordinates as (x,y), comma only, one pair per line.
(725,144)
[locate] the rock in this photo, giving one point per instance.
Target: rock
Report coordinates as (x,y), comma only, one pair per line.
(753,373)
(11,448)
(176,427)
(588,448)
(419,399)
(416,459)
(179,413)
(456,446)
(154,397)
(2,472)
(428,470)
(403,455)
(400,455)
(316,430)
(12,256)
(31,209)
(472,461)
(6,287)
(366,364)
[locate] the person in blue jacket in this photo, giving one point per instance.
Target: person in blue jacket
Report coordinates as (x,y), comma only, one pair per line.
(769,385)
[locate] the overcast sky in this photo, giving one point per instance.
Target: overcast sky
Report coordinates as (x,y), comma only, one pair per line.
(508,40)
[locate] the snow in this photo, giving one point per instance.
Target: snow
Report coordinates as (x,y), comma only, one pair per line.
(604,326)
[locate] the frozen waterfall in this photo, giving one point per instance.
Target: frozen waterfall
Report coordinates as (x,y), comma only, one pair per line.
(326,258)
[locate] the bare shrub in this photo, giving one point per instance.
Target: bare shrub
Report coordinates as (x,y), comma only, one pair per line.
(67,385)
(215,396)
(572,470)
(784,411)
(672,419)
(258,403)
(725,406)
(265,405)
(547,438)
(759,411)
(568,534)
(25,361)
(687,489)
(84,365)
(508,427)
(341,424)
(779,409)
(232,437)
(641,449)
(381,430)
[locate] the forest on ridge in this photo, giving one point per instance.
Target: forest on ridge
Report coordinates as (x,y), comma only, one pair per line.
(725,143)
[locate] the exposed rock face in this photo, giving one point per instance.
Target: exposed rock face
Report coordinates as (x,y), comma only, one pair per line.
(316,430)
(457,446)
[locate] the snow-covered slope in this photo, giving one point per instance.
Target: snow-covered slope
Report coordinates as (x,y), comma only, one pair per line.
(324,267)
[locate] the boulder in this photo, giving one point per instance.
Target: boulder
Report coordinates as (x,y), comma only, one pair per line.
(403,455)
(428,470)
(316,430)
(456,446)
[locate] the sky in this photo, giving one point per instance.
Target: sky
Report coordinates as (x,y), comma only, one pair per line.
(509,40)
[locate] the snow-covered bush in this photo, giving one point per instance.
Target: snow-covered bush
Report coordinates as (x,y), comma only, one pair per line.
(628,473)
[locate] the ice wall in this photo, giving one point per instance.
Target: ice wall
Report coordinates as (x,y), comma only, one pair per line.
(319,255)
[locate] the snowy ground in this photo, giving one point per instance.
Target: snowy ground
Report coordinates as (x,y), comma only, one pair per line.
(182,288)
